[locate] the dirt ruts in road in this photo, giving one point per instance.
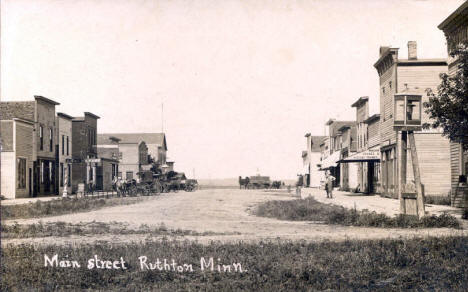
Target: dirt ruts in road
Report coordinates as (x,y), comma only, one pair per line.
(220,211)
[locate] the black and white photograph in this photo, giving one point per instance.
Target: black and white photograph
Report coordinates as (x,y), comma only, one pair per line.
(234,145)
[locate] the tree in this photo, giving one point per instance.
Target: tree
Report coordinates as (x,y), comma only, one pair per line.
(448,108)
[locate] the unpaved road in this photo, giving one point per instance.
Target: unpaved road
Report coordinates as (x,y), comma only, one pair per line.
(220,211)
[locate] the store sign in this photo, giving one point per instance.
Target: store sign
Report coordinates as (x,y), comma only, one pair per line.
(367,155)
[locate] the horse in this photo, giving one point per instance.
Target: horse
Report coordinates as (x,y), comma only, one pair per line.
(121,186)
(244,182)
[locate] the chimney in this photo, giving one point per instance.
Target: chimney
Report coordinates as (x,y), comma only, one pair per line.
(382,49)
(412,50)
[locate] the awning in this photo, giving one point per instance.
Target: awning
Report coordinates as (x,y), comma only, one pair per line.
(331,161)
(368,155)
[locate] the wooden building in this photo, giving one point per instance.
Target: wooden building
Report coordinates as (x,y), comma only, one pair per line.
(42,112)
(156,143)
(367,156)
(312,176)
(107,162)
(331,148)
(455,28)
(412,75)
(348,170)
(17,158)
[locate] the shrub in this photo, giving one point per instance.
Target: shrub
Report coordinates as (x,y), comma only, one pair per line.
(311,210)
(63,206)
(437,200)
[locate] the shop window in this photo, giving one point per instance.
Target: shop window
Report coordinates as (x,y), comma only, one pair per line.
(42,171)
(61,174)
(69,175)
(21,173)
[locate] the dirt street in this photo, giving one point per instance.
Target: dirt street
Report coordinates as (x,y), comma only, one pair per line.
(223,211)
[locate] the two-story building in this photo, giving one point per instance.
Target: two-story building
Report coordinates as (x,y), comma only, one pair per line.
(64,152)
(42,112)
(455,28)
(133,153)
(17,158)
(156,143)
(331,148)
(348,170)
(84,150)
(108,161)
(415,76)
(367,156)
(311,161)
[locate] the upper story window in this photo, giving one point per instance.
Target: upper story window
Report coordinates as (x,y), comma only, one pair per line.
(390,84)
(383,90)
(41,137)
(68,146)
(63,144)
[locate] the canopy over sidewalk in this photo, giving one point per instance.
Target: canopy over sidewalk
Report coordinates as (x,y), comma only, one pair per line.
(368,155)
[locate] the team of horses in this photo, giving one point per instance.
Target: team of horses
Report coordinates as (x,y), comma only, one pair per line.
(246,184)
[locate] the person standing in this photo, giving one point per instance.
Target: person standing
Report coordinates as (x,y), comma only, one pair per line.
(329,185)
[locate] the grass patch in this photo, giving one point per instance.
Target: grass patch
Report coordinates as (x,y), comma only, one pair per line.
(437,200)
(431,264)
(311,210)
(63,229)
(61,206)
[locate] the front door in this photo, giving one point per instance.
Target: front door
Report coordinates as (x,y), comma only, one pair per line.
(36,176)
(30,182)
(370,177)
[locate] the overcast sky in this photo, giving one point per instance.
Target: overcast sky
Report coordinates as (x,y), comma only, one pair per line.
(241,81)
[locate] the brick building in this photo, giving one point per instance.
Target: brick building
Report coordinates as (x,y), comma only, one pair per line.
(455,28)
(17,158)
(64,152)
(412,75)
(42,112)
(84,150)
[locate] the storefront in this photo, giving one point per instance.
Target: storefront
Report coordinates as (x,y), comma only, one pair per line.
(331,164)
(368,170)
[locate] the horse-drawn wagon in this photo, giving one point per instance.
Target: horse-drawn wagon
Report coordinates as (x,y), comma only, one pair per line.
(153,181)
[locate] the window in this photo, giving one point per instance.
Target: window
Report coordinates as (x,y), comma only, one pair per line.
(129,174)
(51,139)
(21,173)
(63,144)
(390,84)
(68,147)
(383,90)
(42,171)
(69,175)
(61,174)
(41,138)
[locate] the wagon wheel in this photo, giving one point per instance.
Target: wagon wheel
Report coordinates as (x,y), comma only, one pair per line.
(156,187)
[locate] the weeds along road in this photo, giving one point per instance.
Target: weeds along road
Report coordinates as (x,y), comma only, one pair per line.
(223,211)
